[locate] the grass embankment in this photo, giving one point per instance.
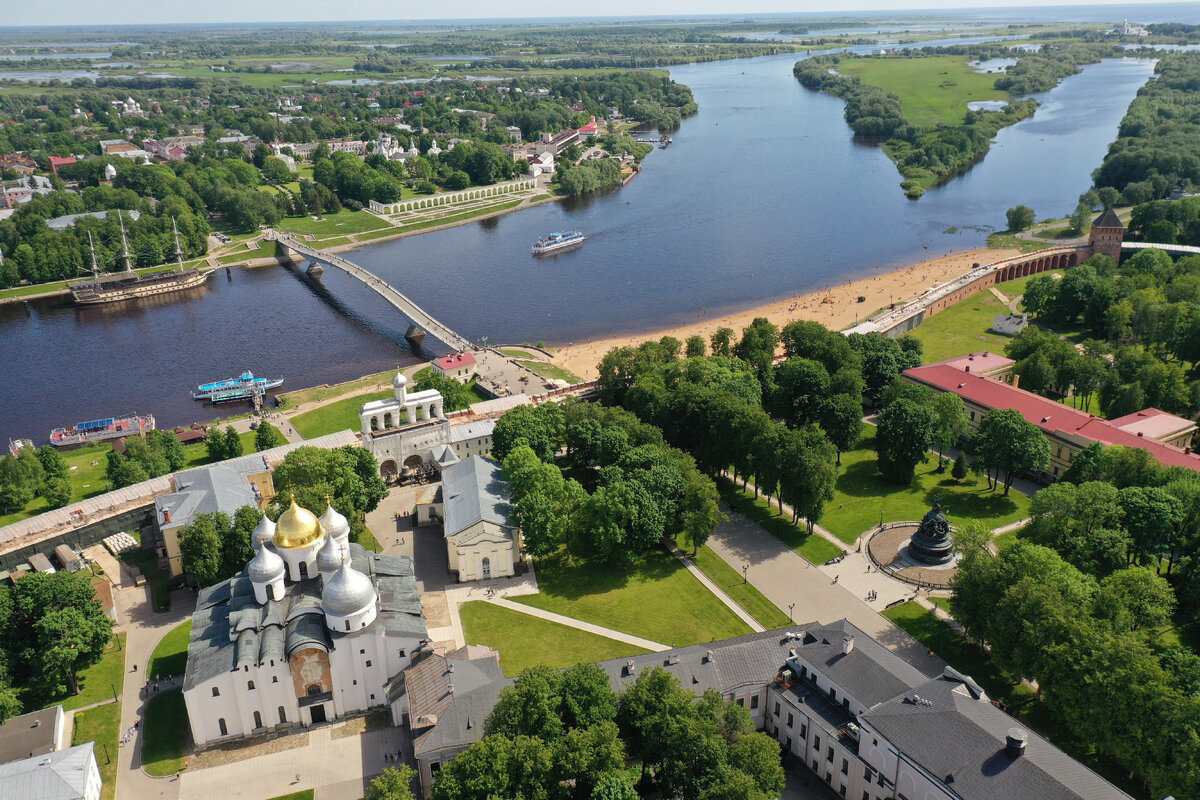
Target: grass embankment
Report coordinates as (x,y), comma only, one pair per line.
(964,327)
(337,416)
(863,495)
(460,217)
(810,546)
(655,598)
(164,733)
(170,656)
(931,90)
(306,794)
(551,371)
(317,394)
(101,725)
(524,641)
(743,593)
(1020,701)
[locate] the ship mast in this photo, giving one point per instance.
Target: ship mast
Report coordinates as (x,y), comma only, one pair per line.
(124,245)
(178,249)
(95,266)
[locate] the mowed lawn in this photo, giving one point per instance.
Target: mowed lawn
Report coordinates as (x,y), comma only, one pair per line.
(730,581)
(165,738)
(101,725)
(85,471)
(862,494)
(814,548)
(337,416)
(524,641)
(97,684)
(655,598)
(170,657)
(962,328)
(341,223)
(931,90)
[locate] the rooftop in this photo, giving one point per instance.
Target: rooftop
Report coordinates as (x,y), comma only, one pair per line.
(474,490)
(869,673)
(57,776)
(1108,219)
(983,362)
(455,361)
(32,734)
(1053,418)
(1153,423)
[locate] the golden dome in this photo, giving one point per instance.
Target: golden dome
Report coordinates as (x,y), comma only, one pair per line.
(297,527)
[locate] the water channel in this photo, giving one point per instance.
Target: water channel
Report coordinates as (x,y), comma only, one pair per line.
(763,194)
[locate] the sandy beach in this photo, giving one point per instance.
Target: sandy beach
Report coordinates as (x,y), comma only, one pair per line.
(838,308)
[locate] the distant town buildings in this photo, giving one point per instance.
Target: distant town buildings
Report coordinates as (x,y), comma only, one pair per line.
(123,148)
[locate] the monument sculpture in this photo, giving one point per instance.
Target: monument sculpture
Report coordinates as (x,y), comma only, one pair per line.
(931,543)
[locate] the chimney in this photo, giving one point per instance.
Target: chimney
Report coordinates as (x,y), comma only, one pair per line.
(969,366)
(1016,381)
(166,515)
(673,658)
(1014,743)
(708,656)
(1139,434)
(847,644)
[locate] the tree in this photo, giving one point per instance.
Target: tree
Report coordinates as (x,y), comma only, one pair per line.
(200,547)
(268,436)
(700,511)
(122,471)
(808,477)
(904,435)
(1146,598)
(233,443)
(1083,524)
(529,707)
(949,420)
(959,470)
(53,627)
(1005,441)
(587,697)
(801,388)
(841,419)
(1079,218)
(722,342)
(1019,218)
(392,784)
(21,479)
(614,787)
(757,348)
(540,427)
(216,444)
(1151,517)
(695,347)
(496,767)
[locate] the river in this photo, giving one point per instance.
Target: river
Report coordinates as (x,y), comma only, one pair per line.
(763,194)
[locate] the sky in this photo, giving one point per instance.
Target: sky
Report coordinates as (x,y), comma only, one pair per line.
(124,12)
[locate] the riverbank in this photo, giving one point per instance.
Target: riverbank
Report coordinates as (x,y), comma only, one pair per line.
(836,308)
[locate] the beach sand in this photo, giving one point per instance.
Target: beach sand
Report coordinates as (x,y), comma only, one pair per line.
(843,312)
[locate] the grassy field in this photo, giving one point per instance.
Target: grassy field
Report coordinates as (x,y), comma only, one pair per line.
(811,547)
(97,684)
(101,725)
(744,594)
(263,249)
(656,598)
(460,217)
(964,327)
(862,494)
(337,416)
(551,371)
(170,656)
(306,794)
(318,393)
(338,224)
(931,90)
(524,641)
(37,288)
(165,738)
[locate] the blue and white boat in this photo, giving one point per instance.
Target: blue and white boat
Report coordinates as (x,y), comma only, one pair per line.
(557,241)
(243,387)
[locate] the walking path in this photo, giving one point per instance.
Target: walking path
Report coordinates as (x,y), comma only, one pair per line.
(729,602)
(791,582)
(609,633)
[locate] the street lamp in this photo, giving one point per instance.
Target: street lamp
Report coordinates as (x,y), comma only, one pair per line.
(790,607)
(745,569)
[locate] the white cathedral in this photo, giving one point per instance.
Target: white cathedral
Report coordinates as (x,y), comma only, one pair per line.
(314,628)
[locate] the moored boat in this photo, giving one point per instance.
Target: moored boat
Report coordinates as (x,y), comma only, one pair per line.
(98,429)
(129,285)
(243,387)
(558,241)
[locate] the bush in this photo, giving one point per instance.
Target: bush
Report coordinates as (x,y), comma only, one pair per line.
(352,204)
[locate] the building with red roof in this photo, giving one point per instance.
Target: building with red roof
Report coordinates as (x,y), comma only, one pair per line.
(591,129)
(57,161)
(1165,436)
(460,367)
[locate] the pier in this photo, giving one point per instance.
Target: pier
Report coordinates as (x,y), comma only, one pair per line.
(422,322)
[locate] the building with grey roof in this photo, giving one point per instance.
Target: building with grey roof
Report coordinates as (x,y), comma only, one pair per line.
(864,720)
(482,540)
(34,734)
(70,774)
(275,647)
(59,224)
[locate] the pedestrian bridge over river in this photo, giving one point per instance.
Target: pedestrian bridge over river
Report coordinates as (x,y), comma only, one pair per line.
(423,321)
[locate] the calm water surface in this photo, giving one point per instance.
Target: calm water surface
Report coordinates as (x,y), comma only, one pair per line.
(763,194)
